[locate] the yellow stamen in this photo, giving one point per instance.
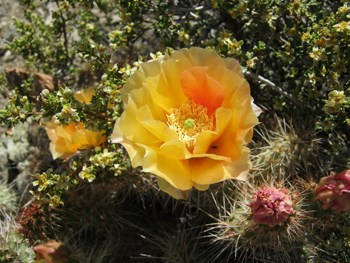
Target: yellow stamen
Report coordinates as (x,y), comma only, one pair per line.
(189,120)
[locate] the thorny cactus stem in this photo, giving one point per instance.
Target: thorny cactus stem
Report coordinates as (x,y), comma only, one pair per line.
(333,192)
(271,206)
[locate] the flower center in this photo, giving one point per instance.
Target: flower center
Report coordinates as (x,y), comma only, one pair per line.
(189,120)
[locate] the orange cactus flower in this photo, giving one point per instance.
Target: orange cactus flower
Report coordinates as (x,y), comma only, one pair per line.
(187,120)
(66,140)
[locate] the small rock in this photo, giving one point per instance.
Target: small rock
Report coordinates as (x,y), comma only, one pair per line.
(8,56)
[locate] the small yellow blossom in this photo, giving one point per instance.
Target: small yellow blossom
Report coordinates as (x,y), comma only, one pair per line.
(42,181)
(103,159)
(336,99)
(87,173)
(342,26)
(305,36)
(55,201)
(251,63)
(343,9)
(317,53)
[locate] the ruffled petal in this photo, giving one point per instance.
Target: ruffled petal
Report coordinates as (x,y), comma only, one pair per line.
(135,152)
(205,139)
(174,149)
(171,190)
(206,171)
(239,168)
(176,172)
(202,89)
(131,126)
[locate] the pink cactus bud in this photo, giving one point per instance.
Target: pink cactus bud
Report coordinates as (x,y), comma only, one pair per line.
(334,192)
(51,252)
(271,206)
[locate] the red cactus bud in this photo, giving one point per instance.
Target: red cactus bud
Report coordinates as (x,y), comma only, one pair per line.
(334,192)
(271,206)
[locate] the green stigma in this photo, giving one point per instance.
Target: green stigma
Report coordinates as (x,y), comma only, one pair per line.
(189,123)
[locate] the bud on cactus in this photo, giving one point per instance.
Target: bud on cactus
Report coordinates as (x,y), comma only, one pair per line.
(334,192)
(51,252)
(271,206)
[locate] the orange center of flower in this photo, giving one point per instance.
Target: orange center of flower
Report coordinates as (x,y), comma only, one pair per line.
(199,87)
(188,121)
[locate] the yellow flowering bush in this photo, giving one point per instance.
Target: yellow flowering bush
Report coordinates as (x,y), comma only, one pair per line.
(66,140)
(187,120)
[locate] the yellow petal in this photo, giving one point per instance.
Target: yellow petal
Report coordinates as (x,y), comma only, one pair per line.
(132,129)
(174,149)
(206,171)
(198,86)
(227,145)
(117,134)
(135,152)
(136,81)
(78,138)
(141,97)
(156,127)
(165,89)
(238,169)
(246,118)
(198,57)
(205,139)
(200,187)
(55,154)
(170,75)
(175,172)
(63,148)
(171,190)
(234,66)
(236,89)
(85,95)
